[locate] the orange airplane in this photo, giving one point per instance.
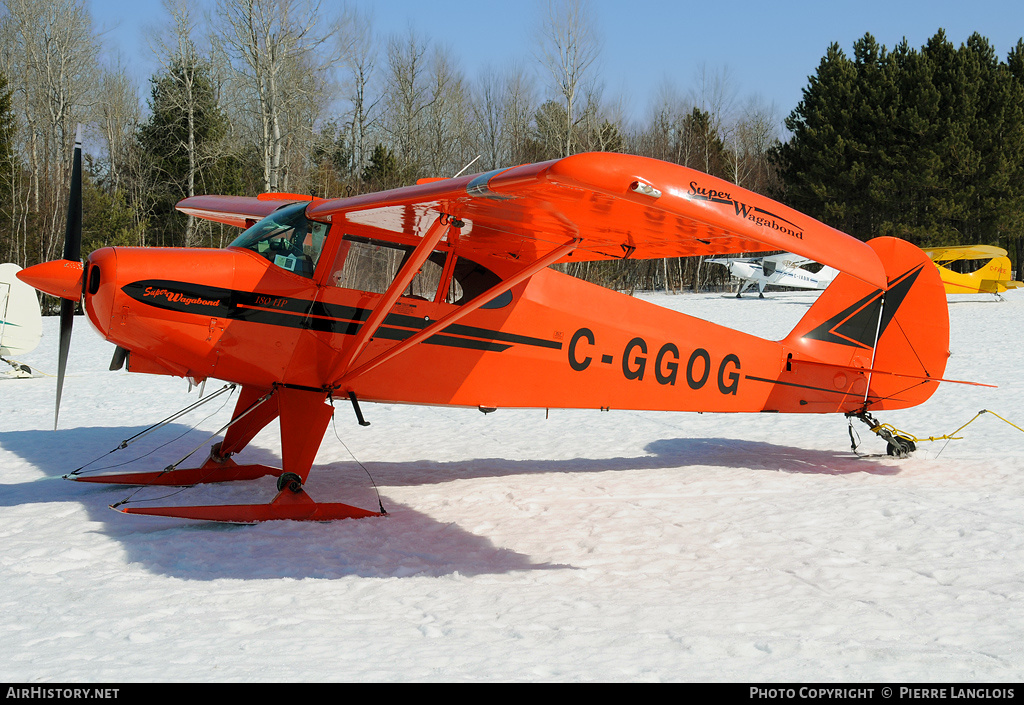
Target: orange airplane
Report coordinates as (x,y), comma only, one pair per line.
(441,294)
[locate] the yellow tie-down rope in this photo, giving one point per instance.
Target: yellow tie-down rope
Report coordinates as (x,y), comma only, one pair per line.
(901,443)
(949,436)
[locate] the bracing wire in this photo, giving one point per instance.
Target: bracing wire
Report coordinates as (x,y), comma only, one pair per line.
(334,425)
(173,466)
(146,431)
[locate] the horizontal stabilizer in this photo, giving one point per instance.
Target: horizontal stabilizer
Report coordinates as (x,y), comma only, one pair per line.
(868,370)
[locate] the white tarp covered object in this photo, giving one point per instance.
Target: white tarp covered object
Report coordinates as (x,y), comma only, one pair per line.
(20,322)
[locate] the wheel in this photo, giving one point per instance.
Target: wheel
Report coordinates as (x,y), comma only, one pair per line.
(290,480)
(900,447)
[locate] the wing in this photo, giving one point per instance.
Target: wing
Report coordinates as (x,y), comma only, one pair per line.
(240,211)
(948,254)
(618,206)
(789,260)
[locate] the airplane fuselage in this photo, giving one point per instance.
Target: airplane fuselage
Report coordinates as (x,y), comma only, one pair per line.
(754,272)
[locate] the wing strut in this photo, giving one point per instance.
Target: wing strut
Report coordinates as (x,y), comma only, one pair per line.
(462,311)
(874,348)
(405,275)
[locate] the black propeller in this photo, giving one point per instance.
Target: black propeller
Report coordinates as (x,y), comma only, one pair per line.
(73,253)
(117,361)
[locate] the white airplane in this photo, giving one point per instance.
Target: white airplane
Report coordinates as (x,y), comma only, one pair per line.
(779,270)
(20,322)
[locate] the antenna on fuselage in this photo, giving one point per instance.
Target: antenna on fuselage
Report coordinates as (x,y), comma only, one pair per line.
(468,165)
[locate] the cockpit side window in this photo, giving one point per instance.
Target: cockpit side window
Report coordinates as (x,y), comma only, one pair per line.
(287,239)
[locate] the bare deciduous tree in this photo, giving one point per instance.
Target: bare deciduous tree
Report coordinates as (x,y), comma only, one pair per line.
(49,52)
(568,46)
(447,140)
(283,52)
(714,95)
(520,103)
(407,97)
(503,108)
(118,115)
(360,61)
(489,114)
(182,62)
(755,133)
(121,168)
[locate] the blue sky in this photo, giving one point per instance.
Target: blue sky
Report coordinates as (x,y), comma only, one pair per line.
(768,49)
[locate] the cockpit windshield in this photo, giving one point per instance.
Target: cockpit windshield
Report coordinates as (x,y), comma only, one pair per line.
(287,238)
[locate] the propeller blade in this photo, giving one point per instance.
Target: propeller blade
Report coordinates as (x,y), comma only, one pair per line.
(73,229)
(117,361)
(67,317)
(73,253)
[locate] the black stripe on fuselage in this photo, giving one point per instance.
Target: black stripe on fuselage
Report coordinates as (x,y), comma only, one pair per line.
(872,399)
(839,392)
(290,312)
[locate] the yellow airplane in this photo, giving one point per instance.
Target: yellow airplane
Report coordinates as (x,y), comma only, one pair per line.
(960,273)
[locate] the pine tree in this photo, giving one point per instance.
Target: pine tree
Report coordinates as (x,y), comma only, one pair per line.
(383,171)
(925,145)
(703,145)
(107,218)
(815,162)
(1015,228)
(186,154)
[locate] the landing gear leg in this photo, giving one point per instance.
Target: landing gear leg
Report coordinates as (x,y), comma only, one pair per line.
(899,444)
(304,418)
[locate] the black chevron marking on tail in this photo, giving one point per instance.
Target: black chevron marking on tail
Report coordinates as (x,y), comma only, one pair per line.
(855,325)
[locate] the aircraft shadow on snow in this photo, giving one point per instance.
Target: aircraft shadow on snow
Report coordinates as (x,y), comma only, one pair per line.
(407,543)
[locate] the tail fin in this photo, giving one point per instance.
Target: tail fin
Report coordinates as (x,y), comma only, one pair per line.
(864,348)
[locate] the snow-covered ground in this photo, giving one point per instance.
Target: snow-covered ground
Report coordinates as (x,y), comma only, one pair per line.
(584,546)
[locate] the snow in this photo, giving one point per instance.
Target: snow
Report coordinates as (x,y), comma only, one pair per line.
(581,546)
